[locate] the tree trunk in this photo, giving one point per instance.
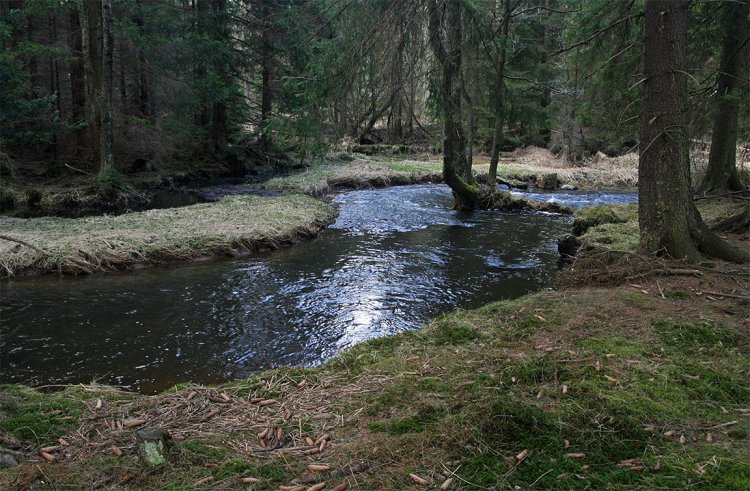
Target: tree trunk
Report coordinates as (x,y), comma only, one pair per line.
(219,126)
(266,91)
(497,133)
(722,166)
(669,221)
(106,159)
(143,85)
(456,172)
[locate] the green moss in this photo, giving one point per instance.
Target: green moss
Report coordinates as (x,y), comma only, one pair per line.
(450,330)
(679,295)
(415,423)
(36,418)
(693,336)
(616,345)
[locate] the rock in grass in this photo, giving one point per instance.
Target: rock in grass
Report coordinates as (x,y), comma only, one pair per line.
(7,460)
(152,445)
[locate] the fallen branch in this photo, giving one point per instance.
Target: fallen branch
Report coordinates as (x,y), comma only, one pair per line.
(19,241)
(669,272)
(729,295)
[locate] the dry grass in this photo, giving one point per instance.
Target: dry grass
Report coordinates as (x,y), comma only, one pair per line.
(525,165)
(232,226)
(323,178)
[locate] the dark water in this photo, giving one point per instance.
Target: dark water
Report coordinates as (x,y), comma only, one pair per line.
(395,258)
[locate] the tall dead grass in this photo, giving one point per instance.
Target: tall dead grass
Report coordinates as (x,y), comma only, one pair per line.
(85,245)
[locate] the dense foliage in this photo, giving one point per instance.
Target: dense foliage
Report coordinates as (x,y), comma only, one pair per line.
(229,80)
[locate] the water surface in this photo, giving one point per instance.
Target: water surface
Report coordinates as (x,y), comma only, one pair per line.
(394,258)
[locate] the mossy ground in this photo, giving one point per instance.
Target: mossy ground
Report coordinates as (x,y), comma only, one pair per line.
(633,380)
(231,226)
(645,385)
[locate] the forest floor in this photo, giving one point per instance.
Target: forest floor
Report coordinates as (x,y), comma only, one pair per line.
(643,382)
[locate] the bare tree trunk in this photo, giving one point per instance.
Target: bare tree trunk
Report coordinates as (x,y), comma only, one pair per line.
(106,159)
(266,91)
(669,222)
(143,85)
(497,133)
(219,126)
(722,166)
(77,78)
(456,172)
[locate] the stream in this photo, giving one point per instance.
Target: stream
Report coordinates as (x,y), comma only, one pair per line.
(394,258)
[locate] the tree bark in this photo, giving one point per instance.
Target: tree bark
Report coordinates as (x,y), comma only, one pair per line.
(266,90)
(722,174)
(669,221)
(219,125)
(97,48)
(456,172)
(106,158)
(497,133)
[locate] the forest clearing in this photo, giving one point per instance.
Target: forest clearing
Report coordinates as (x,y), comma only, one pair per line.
(307,245)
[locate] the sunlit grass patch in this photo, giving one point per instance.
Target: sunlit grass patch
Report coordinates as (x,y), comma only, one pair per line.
(230,226)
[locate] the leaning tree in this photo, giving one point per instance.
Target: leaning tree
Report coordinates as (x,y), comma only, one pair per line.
(445,41)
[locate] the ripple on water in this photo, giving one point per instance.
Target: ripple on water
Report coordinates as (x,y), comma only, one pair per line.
(394,258)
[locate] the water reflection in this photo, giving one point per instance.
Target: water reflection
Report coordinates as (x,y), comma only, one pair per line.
(394,258)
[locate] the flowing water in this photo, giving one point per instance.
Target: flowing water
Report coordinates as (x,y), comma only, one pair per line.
(394,258)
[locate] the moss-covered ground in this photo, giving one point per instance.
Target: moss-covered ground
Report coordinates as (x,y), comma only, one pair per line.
(644,384)
(233,225)
(638,386)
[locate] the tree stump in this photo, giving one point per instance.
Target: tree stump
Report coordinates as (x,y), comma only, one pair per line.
(152,445)
(548,181)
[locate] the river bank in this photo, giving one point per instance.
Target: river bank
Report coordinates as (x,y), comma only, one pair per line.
(233,226)
(523,167)
(103,243)
(642,383)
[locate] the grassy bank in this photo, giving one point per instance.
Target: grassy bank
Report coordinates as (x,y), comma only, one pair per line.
(84,245)
(591,388)
(642,385)
(527,165)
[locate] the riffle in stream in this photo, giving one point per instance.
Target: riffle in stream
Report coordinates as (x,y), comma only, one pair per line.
(395,258)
